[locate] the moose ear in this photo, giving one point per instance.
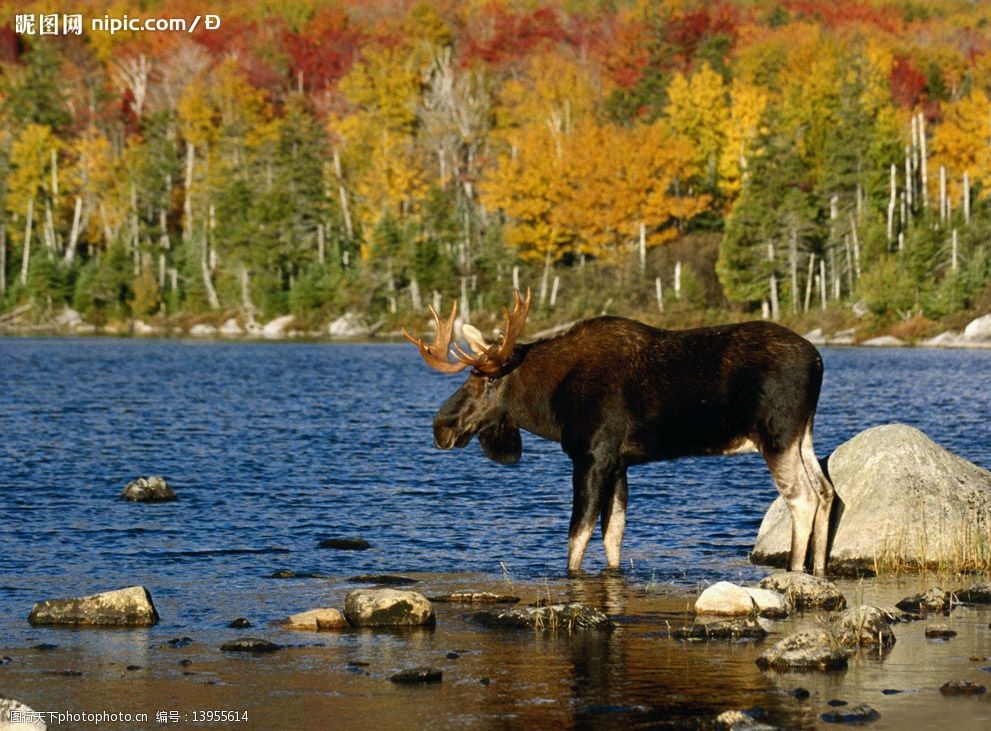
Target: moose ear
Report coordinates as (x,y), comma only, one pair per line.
(501,443)
(476,341)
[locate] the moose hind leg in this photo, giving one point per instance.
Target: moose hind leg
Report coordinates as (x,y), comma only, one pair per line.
(614,518)
(789,475)
(823,489)
(590,477)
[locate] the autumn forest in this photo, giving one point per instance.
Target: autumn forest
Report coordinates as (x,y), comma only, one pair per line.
(677,160)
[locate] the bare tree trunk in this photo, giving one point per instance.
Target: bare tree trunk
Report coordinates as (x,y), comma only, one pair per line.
(205,263)
(891,205)
(48,228)
(516,277)
(954,251)
(922,160)
(793,261)
(545,277)
(942,193)
(822,281)
(808,281)
(856,247)
(677,280)
(659,292)
(320,244)
(3,259)
(70,250)
(26,256)
(345,209)
(54,175)
(966,197)
(643,247)
(554,288)
(414,294)
(246,303)
(187,203)
(465,304)
(775,304)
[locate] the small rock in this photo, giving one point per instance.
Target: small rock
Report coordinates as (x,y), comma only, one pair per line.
(27,718)
(976,594)
(64,673)
(809,650)
(44,646)
(485,681)
(843,337)
(978,330)
(239,623)
(945,339)
(891,691)
(278,327)
(742,720)
(349,325)
(418,675)
(250,644)
(132,668)
(6,660)
(567,617)
(131,607)
(231,328)
(816,337)
(185,662)
(962,687)
(855,714)
(885,341)
(837,703)
(804,591)
(387,608)
(941,631)
(179,642)
(384,579)
(799,693)
(289,574)
(140,327)
(316,620)
(453,656)
(149,490)
(476,597)
(736,628)
(202,330)
(864,626)
(725,598)
(345,544)
(931,600)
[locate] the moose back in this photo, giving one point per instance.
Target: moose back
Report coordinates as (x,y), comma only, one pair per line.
(615,392)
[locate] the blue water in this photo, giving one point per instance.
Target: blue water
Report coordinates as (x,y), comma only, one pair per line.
(273,447)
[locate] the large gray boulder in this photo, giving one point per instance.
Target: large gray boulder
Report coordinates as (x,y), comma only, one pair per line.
(566,617)
(815,649)
(387,608)
(905,502)
(131,607)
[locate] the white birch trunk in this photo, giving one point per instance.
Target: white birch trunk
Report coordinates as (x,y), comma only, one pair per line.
(966,197)
(922,160)
(26,256)
(822,281)
(643,247)
(954,251)
(659,293)
(808,282)
(70,250)
(554,288)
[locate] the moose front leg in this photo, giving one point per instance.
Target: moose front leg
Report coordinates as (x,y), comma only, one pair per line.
(614,518)
(589,480)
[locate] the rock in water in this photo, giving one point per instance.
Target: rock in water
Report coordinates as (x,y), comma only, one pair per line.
(314,620)
(858,715)
(732,628)
(149,490)
(724,598)
(388,608)
(564,617)
(250,644)
(906,501)
(864,626)
(131,607)
(805,591)
(414,676)
(15,716)
(931,600)
(975,594)
(810,650)
(475,597)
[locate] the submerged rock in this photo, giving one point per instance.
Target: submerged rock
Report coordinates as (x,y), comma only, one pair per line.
(314,620)
(725,598)
(734,628)
(737,720)
(418,675)
(250,644)
(809,650)
(962,687)
(905,501)
(566,617)
(975,594)
(345,544)
(476,597)
(239,623)
(864,626)
(804,591)
(149,490)
(387,608)
(16,716)
(854,714)
(131,607)
(940,631)
(384,579)
(931,600)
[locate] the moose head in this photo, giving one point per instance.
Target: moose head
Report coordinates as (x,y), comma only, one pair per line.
(480,406)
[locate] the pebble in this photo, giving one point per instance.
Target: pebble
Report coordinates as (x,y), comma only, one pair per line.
(940,631)
(962,687)
(855,714)
(239,623)
(250,644)
(418,675)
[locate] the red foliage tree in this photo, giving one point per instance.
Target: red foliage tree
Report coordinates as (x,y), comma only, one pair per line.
(908,84)
(499,36)
(323,50)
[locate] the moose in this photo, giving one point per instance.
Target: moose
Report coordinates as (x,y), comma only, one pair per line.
(616,393)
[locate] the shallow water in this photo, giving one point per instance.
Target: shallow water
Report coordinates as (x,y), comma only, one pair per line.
(273,447)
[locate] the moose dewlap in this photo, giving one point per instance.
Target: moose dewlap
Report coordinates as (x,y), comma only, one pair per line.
(615,392)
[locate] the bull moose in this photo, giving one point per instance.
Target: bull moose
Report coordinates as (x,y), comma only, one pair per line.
(616,392)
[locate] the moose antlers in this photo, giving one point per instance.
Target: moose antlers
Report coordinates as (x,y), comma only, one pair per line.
(488,359)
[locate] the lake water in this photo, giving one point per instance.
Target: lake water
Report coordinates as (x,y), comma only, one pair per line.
(273,447)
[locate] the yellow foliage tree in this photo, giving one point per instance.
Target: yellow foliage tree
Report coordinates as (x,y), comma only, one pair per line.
(697,112)
(746,107)
(961,144)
